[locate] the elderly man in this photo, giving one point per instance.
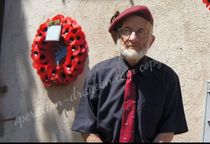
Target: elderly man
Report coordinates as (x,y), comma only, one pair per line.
(132,97)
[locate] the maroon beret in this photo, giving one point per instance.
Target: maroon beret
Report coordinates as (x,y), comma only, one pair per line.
(140,10)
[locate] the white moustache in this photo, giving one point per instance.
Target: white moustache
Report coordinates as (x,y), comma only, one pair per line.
(130,53)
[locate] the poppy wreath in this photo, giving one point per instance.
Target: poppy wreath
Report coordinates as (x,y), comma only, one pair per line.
(207,2)
(59,62)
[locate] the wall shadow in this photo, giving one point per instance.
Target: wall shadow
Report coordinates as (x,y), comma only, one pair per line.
(66,99)
(16,73)
(2,2)
(1,126)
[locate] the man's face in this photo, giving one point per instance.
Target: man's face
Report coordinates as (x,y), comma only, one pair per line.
(135,38)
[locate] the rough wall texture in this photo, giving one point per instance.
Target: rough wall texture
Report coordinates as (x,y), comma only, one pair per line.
(182,42)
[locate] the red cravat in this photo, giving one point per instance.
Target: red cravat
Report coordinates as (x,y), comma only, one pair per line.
(129,106)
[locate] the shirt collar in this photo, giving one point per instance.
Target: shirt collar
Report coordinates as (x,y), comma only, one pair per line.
(123,66)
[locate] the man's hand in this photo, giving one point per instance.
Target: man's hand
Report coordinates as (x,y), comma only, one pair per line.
(164,137)
(91,138)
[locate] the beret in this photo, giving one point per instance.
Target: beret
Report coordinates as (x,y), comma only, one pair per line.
(139,10)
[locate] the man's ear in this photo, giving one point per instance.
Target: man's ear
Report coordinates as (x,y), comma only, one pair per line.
(152,39)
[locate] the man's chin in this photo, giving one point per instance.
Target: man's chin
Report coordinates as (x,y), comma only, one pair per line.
(131,56)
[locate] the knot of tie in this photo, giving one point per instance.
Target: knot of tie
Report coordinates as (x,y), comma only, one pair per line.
(130,73)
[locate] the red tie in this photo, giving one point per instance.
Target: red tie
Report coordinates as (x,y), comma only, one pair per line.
(129,107)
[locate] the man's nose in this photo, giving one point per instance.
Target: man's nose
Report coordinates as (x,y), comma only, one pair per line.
(133,36)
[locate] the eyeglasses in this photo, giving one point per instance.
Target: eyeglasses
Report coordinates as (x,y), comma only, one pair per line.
(128,31)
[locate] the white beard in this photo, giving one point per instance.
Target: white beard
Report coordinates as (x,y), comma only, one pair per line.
(132,56)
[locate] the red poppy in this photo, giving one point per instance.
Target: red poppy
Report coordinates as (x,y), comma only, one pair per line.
(207,2)
(59,63)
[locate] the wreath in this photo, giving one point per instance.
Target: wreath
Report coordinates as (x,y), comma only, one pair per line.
(207,2)
(59,62)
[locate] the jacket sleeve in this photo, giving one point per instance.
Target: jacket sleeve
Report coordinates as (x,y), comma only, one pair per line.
(86,116)
(173,119)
